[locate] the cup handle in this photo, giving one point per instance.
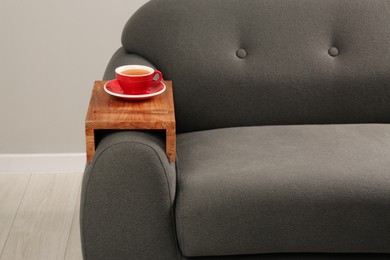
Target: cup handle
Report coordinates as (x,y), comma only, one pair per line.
(160,77)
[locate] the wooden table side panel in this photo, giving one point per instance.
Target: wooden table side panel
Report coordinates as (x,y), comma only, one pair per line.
(171,144)
(90,144)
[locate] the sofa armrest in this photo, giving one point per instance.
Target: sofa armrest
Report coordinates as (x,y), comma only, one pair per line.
(127,199)
(122,57)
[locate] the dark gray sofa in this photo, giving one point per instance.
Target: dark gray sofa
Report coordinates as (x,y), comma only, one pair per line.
(283,145)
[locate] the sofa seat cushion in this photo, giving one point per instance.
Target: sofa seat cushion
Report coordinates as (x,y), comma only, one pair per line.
(301,188)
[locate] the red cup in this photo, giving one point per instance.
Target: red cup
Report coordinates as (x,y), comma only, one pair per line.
(137,79)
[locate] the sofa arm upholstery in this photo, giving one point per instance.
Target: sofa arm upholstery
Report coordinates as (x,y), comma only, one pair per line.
(122,57)
(127,199)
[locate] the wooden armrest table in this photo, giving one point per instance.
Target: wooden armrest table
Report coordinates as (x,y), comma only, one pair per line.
(108,112)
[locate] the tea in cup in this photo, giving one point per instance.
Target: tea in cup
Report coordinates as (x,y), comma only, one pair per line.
(137,79)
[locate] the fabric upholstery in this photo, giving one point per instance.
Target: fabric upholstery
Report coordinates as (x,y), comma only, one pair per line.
(266,189)
(125,215)
(127,200)
(287,75)
(261,189)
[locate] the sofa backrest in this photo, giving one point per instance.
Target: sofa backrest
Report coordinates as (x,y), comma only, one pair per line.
(266,62)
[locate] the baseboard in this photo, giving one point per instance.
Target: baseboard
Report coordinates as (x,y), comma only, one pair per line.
(42,163)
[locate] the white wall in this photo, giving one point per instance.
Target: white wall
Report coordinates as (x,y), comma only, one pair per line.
(51,51)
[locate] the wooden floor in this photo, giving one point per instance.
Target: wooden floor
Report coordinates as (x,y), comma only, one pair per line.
(39,216)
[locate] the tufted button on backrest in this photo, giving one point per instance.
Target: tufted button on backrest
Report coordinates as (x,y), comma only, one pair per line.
(333,51)
(288,76)
(241,53)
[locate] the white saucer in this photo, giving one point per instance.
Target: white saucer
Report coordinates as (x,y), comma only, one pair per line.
(113,88)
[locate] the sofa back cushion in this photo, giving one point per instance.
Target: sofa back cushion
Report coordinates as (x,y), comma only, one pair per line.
(268,62)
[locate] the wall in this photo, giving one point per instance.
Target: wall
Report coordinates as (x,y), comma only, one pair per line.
(50,54)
